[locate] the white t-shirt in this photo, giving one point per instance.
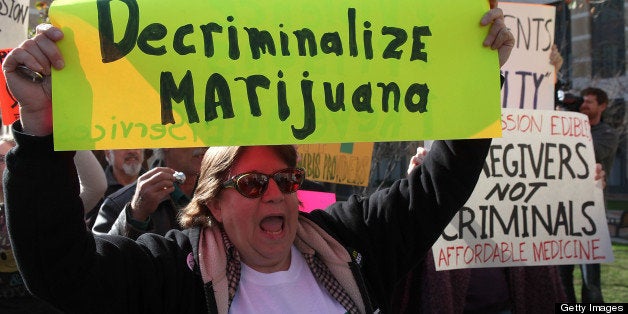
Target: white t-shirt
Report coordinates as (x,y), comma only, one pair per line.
(292,291)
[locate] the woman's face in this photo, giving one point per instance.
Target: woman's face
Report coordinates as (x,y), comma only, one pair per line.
(262,229)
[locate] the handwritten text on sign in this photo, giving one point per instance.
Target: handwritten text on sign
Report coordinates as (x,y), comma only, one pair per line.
(9,108)
(529,76)
(348,163)
(270,72)
(13,22)
(536,202)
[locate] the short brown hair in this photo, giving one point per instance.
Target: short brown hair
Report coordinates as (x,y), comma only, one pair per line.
(216,169)
(600,95)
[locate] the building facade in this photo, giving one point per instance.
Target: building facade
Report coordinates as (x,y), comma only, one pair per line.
(593,37)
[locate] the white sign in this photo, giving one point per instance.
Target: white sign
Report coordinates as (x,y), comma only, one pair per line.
(530,78)
(537,201)
(13,22)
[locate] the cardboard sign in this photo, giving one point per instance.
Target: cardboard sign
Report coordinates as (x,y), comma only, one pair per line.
(271,72)
(8,105)
(530,78)
(13,23)
(536,202)
(348,163)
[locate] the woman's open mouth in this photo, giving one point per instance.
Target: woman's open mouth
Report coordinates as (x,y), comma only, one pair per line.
(272,225)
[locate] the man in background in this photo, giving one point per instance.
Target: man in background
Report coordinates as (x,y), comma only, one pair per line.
(124,166)
(152,203)
(605,141)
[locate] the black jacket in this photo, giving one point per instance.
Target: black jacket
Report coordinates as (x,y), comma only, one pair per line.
(112,216)
(63,262)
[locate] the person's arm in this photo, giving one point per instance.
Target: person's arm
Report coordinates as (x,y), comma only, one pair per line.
(114,217)
(110,209)
(58,258)
(64,264)
(395,227)
(91,178)
(128,227)
(127,212)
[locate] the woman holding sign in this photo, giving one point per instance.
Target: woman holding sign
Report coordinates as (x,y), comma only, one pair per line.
(246,248)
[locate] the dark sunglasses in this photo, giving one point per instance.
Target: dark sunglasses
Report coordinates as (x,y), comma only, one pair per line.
(254,184)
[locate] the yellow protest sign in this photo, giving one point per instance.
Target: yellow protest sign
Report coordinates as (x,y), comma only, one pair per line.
(347,163)
(161,73)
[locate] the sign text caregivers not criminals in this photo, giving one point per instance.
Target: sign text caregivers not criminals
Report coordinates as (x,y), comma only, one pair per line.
(536,202)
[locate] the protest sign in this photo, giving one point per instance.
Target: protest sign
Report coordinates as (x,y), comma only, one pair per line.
(271,72)
(530,78)
(13,22)
(348,163)
(311,200)
(8,105)
(536,202)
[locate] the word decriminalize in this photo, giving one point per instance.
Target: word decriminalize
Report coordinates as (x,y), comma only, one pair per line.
(283,43)
(261,41)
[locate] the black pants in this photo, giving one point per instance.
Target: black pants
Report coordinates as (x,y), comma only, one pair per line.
(591,283)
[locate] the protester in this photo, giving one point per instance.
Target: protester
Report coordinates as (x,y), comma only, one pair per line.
(530,289)
(139,207)
(605,138)
(14,297)
(243,233)
(123,168)
(605,141)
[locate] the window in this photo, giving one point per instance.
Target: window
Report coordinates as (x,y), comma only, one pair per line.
(608,51)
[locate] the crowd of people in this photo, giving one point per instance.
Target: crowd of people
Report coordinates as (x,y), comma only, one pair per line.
(218,230)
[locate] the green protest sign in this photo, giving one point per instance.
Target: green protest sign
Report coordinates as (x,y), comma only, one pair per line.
(195,73)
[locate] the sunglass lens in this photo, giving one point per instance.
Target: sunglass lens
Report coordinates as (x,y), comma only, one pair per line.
(289,180)
(253,184)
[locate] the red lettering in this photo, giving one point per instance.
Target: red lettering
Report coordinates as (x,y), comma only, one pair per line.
(522,123)
(570,249)
(521,252)
(595,248)
(442,258)
(568,126)
(553,125)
